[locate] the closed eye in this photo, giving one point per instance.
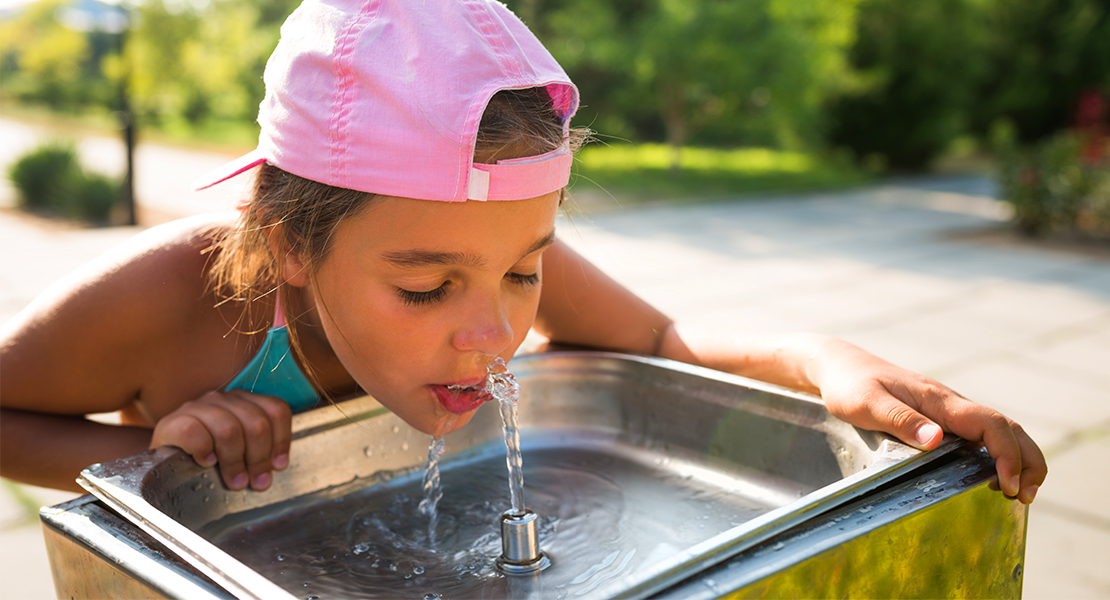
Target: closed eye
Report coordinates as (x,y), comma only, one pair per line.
(411,298)
(524,280)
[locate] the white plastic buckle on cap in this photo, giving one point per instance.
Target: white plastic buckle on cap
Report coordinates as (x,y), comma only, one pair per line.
(478,186)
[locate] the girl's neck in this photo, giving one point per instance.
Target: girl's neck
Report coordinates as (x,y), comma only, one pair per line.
(305,327)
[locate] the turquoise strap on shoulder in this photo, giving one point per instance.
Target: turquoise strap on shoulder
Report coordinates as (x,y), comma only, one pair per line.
(274,372)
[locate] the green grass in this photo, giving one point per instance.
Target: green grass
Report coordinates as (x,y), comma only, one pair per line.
(644,171)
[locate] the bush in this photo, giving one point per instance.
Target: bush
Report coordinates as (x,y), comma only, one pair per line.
(50,179)
(1060,186)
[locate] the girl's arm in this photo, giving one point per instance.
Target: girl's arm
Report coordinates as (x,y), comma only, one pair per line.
(582,306)
(134,328)
(50,450)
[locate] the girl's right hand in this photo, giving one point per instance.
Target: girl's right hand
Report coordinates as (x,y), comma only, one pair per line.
(246,434)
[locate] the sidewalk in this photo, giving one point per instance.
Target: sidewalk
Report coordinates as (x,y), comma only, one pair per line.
(919,272)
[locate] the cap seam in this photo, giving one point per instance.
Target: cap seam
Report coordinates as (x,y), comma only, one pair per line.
(339,132)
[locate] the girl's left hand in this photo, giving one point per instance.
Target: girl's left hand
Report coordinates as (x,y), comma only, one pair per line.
(871,393)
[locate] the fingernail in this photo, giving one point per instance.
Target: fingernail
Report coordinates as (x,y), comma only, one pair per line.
(926,433)
(1015,481)
(281,461)
(239,482)
(1031,492)
(208,462)
(261,482)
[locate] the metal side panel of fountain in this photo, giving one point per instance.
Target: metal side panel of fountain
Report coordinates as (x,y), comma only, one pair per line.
(643,473)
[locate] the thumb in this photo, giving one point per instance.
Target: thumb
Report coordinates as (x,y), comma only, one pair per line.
(892,416)
(908,425)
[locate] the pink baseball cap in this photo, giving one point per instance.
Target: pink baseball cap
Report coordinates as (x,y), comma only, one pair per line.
(385,96)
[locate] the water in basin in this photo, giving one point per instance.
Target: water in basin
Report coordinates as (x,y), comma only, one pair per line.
(605,510)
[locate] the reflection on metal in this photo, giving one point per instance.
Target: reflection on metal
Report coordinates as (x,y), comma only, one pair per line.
(942,533)
(520,545)
(96,554)
(776,452)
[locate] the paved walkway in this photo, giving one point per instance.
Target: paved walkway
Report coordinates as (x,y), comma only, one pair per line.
(920,272)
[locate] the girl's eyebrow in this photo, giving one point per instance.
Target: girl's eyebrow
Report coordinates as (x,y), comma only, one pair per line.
(424,258)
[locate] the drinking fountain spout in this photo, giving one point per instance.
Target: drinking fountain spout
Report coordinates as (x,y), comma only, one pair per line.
(520,546)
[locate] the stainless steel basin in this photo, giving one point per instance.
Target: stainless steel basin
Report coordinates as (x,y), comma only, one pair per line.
(645,472)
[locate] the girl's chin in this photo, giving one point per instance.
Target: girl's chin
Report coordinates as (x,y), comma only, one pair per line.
(447,422)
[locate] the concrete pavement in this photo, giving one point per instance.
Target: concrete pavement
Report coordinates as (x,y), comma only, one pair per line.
(920,272)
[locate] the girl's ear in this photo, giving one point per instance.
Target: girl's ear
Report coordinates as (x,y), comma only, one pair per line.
(292,268)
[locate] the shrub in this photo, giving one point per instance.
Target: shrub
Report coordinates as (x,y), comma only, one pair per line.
(1060,186)
(50,179)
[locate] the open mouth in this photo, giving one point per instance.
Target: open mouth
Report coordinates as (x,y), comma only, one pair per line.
(461,399)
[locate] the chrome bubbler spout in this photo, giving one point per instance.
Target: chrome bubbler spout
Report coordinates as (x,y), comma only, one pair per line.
(520,546)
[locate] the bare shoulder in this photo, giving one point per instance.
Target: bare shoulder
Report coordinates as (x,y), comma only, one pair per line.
(92,341)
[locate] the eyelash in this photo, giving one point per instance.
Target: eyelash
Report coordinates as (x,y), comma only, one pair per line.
(430,297)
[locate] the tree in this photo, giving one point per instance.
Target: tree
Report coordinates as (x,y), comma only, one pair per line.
(47,58)
(730,71)
(921,65)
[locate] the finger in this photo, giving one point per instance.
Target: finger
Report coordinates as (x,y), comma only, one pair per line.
(227,433)
(880,411)
(1035,466)
(979,423)
(281,426)
(257,438)
(188,433)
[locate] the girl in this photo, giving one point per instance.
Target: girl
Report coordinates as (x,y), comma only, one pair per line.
(399,238)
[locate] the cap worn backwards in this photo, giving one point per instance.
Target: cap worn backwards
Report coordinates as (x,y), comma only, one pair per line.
(385,96)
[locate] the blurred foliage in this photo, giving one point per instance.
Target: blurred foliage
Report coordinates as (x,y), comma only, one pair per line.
(933,71)
(739,72)
(1060,186)
(920,64)
(50,179)
(894,84)
(43,61)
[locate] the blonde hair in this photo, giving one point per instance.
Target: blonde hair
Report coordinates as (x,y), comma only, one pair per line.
(306,213)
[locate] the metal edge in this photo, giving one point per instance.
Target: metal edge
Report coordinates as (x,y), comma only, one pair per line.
(229,573)
(742,537)
(126,555)
(674,365)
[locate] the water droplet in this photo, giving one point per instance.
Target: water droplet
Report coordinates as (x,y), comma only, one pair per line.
(431,596)
(405,446)
(280,557)
(396,429)
(312,597)
(408,575)
(206,498)
(368,452)
(418,570)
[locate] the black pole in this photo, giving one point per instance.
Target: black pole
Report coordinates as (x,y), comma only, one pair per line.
(127,123)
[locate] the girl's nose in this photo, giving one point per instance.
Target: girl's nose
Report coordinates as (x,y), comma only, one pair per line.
(488,331)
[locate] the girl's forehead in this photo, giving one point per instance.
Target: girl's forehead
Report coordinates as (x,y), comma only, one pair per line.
(506,227)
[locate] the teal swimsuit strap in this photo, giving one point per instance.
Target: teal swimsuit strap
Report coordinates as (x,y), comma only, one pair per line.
(274,372)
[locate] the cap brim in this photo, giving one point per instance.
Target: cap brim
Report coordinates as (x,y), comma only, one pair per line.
(238,166)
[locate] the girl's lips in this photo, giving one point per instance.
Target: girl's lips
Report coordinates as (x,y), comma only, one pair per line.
(461,399)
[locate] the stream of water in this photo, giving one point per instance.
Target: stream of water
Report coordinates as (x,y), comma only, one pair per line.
(506,391)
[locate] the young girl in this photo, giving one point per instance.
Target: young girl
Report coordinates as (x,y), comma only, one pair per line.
(399,238)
